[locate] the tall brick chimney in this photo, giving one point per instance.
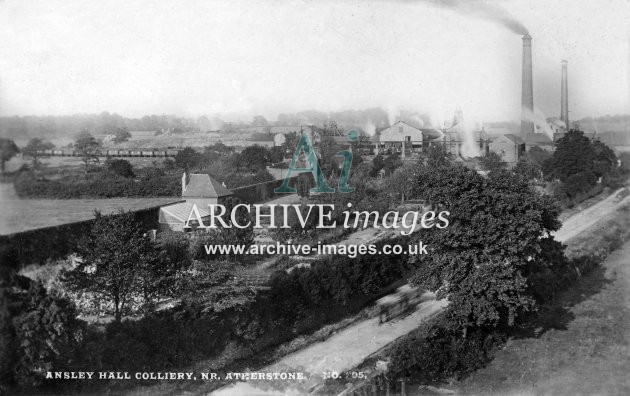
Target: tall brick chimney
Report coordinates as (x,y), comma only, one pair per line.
(564,94)
(527,97)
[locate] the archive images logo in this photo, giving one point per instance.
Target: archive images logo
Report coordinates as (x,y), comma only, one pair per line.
(305,144)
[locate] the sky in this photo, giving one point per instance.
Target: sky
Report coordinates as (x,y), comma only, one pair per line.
(240,58)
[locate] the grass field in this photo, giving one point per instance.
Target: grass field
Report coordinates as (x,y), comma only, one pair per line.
(26,214)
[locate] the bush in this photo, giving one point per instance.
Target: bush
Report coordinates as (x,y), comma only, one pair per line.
(44,332)
(120,167)
(108,185)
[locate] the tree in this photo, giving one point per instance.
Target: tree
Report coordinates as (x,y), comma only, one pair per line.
(605,159)
(33,146)
(579,162)
(260,121)
(253,159)
(119,264)
(88,148)
(8,150)
(492,162)
(528,169)
(39,331)
(574,154)
(483,260)
(120,167)
(437,155)
(377,164)
(187,159)
(400,182)
(391,163)
(290,143)
(121,135)
(538,156)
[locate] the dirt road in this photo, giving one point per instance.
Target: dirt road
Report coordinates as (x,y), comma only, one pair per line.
(589,216)
(343,351)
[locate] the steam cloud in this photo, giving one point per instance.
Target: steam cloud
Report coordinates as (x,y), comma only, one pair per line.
(538,118)
(392,114)
(485,10)
(370,128)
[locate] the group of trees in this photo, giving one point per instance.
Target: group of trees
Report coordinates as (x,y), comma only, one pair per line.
(121,265)
(234,169)
(580,163)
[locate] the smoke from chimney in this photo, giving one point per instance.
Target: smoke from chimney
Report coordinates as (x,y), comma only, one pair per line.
(484,10)
(527,94)
(564,94)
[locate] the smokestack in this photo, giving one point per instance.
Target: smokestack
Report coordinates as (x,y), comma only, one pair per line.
(527,98)
(564,101)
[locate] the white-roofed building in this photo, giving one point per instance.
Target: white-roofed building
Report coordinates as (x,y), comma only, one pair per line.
(197,189)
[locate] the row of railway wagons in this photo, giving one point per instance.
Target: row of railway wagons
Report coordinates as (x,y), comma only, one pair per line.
(113,153)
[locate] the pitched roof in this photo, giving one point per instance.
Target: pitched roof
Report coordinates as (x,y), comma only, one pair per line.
(514,138)
(539,138)
(179,212)
(201,185)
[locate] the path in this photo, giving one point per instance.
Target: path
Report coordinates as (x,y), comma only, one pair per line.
(589,216)
(342,351)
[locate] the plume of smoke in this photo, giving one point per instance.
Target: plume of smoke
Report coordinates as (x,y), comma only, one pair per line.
(370,128)
(489,11)
(469,147)
(558,122)
(418,120)
(538,118)
(392,114)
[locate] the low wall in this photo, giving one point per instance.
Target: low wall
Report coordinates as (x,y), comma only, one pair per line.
(261,192)
(39,245)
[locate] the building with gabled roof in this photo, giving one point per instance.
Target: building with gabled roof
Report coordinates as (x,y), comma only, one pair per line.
(509,147)
(400,137)
(198,189)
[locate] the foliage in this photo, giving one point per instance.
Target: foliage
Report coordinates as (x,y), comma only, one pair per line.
(33,146)
(253,159)
(437,155)
(495,232)
(399,181)
(290,143)
(580,164)
(96,185)
(441,354)
(538,156)
(121,135)
(88,148)
(40,331)
(334,280)
(391,163)
(119,264)
(187,159)
(377,164)
(574,154)
(492,162)
(528,170)
(120,167)
(8,150)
